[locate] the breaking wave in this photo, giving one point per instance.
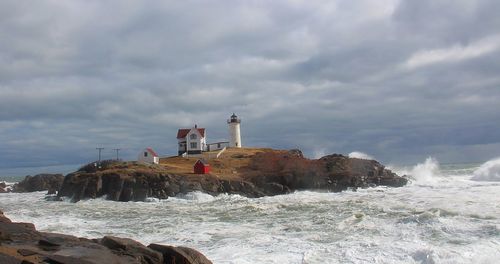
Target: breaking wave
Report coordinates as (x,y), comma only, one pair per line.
(489,171)
(422,173)
(426,172)
(360,155)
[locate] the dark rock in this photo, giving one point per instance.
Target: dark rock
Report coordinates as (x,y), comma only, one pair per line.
(58,259)
(3,218)
(40,182)
(140,194)
(6,259)
(133,248)
(18,231)
(48,243)
(180,255)
(296,153)
(4,188)
(52,190)
(26,252)
(91,254)
(112,185)
(273,187)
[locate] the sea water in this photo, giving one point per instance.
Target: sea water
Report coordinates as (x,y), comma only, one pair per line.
(446,214)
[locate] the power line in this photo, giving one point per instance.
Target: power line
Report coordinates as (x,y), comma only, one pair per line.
(99,149)
(117,153)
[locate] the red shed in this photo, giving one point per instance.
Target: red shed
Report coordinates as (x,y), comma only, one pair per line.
(201,167)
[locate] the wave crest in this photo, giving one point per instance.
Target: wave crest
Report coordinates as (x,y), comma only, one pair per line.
(423,173)
(489,171)
(196,196)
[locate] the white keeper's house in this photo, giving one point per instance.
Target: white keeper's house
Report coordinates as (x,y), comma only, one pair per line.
(191,140)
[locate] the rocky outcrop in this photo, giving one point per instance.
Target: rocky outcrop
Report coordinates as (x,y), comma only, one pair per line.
(285,172)
(138,185)
(267,173)
(40,182)
(3,187)
(22,243)
(180,255)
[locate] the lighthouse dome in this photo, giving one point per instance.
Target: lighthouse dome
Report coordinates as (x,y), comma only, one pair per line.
(233,119)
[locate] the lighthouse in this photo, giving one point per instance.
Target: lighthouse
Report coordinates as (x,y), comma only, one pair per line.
(234,131)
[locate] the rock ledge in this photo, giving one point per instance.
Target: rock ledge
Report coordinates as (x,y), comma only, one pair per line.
(21,243)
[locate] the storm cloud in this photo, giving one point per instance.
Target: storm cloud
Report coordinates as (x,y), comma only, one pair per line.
(399,80)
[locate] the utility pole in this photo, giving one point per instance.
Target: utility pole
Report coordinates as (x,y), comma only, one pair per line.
(117,151)
(99,149)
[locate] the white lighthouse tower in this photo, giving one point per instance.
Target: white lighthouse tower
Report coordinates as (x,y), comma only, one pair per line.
(234,132)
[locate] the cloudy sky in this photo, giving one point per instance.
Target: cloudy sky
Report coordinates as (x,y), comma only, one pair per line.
(399,80)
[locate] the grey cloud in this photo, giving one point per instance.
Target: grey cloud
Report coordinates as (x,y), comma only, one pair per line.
(324,76)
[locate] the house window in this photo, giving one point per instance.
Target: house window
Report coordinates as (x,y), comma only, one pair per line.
(145,154)
(194,145)
(218,145)
(192,136)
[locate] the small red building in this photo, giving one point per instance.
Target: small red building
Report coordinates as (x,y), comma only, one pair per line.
(201,167)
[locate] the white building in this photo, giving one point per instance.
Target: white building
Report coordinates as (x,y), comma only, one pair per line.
(234,132)
(148,155)
(191,140)
(217,145)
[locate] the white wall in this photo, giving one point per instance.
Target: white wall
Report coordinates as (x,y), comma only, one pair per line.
(234,135)
(184,148)
(214,146)
(200,141)
(148,158)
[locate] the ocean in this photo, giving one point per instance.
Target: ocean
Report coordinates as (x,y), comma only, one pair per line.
(449,213)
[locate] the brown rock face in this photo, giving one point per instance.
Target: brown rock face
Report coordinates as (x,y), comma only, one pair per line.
(180,255)
(22,243)
(283,172)
(266,173)
(40,182)
(125,245)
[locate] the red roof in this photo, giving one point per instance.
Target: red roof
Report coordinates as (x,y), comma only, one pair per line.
(203,162)
(182,133)
(152,152)
(201,167)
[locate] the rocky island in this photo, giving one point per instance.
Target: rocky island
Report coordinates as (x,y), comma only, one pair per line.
(251,172)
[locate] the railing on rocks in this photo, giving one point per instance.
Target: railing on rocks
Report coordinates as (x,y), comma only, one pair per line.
(220,152)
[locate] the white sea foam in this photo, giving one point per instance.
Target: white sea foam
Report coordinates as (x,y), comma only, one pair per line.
(489,171)
(422,173)
(360,155)
(196,196)
(8,185)
(455,220)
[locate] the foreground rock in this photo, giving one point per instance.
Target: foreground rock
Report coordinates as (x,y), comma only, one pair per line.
(22,243)
(40,182)
(270,172)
